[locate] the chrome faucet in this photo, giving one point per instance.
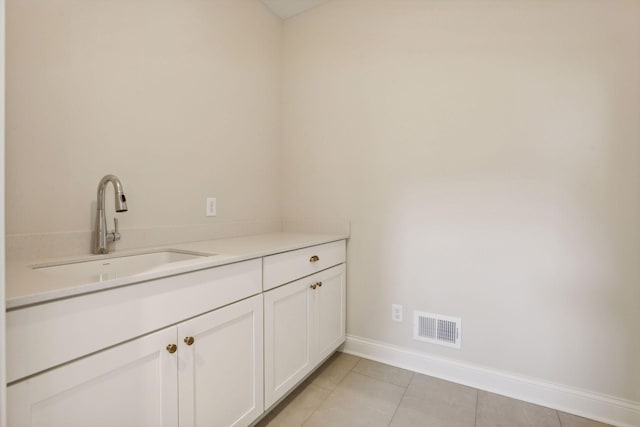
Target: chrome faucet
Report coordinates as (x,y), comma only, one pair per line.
(103,237)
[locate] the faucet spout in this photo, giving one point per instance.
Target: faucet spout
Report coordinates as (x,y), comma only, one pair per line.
(121,200)
(102,235)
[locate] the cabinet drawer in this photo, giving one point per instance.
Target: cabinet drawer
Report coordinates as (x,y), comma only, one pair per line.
(289,266)
(46,335)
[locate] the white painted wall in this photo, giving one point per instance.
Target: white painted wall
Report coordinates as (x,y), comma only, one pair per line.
(487,153)
(180,99)
(3,366)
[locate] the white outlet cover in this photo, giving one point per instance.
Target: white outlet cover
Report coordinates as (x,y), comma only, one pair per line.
(396,312)
(211,206)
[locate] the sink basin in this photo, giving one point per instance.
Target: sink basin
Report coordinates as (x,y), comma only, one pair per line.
(113,267)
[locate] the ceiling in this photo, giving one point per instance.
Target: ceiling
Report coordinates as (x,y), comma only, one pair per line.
(288,8)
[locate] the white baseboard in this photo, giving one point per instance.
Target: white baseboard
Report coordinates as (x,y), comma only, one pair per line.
(607,409)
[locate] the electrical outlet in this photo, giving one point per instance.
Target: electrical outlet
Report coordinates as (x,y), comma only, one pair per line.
(211,206)
(396,312)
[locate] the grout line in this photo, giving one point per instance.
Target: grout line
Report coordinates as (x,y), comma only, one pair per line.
(322,386)
(347,374)
(475,420)
(317,407)
(380,379)
(400,402)
(330,391)
(364,374)
(318,372)
(559,420)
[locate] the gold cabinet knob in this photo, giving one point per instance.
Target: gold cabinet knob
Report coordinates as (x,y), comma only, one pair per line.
(313,286)
(172,348)
(314,258)
(189,340)
(319,284)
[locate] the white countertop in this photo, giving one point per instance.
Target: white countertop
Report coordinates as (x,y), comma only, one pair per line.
(26,285)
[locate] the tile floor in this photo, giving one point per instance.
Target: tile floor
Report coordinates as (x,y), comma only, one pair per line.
(351,391)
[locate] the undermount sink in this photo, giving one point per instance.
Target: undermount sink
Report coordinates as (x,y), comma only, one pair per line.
(117,266)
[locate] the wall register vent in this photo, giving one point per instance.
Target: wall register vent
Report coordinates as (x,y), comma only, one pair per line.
(437,329)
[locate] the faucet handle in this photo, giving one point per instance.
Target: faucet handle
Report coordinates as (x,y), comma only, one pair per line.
(116,231)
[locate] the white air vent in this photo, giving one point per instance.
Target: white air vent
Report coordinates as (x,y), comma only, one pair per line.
(437,329)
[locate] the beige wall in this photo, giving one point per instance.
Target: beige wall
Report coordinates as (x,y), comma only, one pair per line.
(3,356)
(180,99)
(485,151)
(487,154)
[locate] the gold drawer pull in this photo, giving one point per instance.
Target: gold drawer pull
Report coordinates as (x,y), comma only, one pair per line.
(172,348)
(314,258)
(189,340)
(313,286)
(319,284)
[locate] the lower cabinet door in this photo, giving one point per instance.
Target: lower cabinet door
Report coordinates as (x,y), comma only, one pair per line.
(329,312)
(287,326)
(220,366)
(130,385)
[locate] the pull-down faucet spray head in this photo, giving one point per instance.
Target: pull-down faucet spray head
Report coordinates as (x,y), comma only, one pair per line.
(120,199)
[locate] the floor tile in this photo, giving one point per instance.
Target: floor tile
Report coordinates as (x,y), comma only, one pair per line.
(296,408)
(382,372)
(349,391)
(436,403)
(499,411)
(568,420)
(329,375)
(358,401)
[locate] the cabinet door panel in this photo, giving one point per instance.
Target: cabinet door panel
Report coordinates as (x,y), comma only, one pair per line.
(329,312)
(221,373)
(287,338)
(131,385)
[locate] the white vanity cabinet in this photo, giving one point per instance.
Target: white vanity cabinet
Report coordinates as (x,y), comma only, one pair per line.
(206,371)
(210,347)
(95,359)
(304,323)
(42,336)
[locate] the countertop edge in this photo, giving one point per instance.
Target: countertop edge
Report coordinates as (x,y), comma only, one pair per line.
(291,241)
